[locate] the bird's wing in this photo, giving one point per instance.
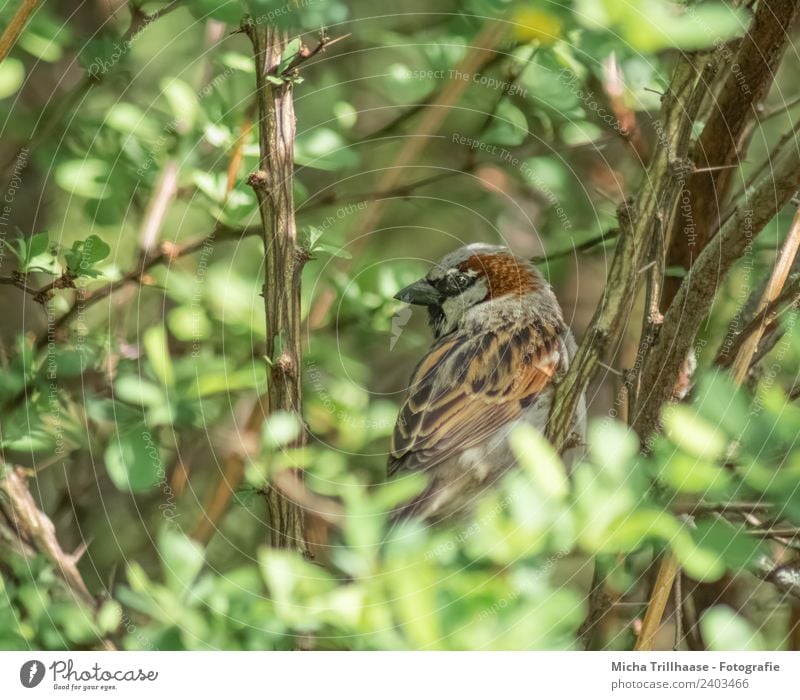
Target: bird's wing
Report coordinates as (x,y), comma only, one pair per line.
(467,388)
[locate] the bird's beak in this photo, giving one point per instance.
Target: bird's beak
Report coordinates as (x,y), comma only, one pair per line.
(421,292)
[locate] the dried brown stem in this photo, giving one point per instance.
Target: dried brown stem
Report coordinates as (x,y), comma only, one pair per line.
(15,26)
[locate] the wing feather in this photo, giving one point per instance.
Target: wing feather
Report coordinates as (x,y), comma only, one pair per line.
(467,388)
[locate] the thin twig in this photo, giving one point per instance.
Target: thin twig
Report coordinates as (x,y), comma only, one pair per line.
(667,572)
(15,27)
(772,293)
(141,20)
(760,322)
(580,248)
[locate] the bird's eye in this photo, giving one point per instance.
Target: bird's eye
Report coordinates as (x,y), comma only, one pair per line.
(458,282)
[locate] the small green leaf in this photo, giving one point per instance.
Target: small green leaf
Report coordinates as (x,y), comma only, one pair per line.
(332,250)
(133,389)
(157,349)
(181,559)
(133,460)
(289,54)
(733,545)
(211,383)
(12,75)
(724,630)
(86,178)
(612,446)
(280,429)
(694,434)
(509,126)
(540,460)
(324,149)
(183,102)
(109,616)
(83,255)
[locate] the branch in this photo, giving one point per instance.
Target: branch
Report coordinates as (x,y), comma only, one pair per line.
(669,566)
(35,531)
(141,20)
(772,293)
(760,322)
(167,252)
(15,27)
(724,138)
(639,221)
(580,248)
(305,54)
(283,260)
(40,294)
(697,292)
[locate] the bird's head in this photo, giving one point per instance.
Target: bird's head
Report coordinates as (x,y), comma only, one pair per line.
(470,277)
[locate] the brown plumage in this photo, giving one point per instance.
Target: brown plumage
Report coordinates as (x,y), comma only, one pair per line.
(500,340)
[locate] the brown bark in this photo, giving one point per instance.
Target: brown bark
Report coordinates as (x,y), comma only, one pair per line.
(642,222)
(697,292)
(723,141)
(283,260)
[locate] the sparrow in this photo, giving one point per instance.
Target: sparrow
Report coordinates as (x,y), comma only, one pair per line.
(500,344)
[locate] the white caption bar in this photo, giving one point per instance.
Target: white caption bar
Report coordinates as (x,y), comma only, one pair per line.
(400,675)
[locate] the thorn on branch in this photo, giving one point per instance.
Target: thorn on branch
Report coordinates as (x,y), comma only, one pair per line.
(302,256)
(625,213)
(258,181)
(305,53)
(285,364)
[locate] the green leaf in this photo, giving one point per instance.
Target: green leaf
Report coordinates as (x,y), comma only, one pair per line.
(38,256)
(130,120)
(509,126)
(83,256)
(183,103)
(332,250)
(692,475)
(540,460)
(134,389)
(722,403)
(86,178)
(37,245)
(280,429)
(724,630)
(109,616)
(211,383)
(612,446)
(189,324)
(238,61)
(324,149)
(12,75)
(633,530)
(133,460)
(157,349)
(733,545)
(694,434)
(289,53)
(398,491)
(181,559)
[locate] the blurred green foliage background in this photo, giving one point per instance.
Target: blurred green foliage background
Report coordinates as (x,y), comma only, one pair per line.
(121,146)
